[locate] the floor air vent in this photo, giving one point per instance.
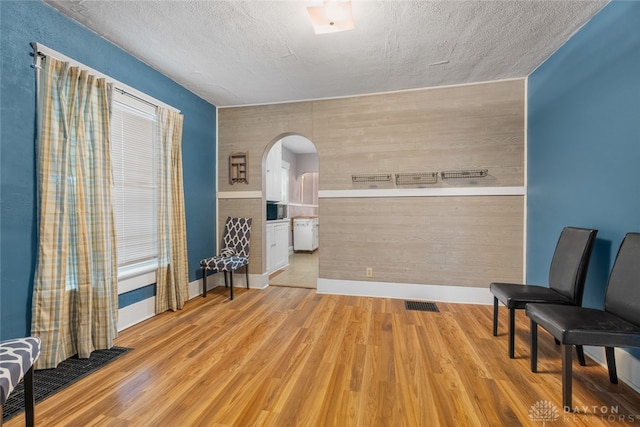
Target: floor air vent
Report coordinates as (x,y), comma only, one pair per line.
(421,306)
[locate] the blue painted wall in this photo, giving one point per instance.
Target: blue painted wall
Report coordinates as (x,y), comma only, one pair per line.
(584,143)
(23,22)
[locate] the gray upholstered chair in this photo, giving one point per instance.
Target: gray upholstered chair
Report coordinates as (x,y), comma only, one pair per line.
(566,281)
(17,357)
(233,255)
(618,325)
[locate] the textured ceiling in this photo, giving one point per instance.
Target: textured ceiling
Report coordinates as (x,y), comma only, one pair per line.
(255,52)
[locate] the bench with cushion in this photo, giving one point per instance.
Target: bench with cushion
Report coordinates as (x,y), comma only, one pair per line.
(17,357)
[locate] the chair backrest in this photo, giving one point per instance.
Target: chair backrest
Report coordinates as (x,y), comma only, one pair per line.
(237,235)
(623,291)
(570,262)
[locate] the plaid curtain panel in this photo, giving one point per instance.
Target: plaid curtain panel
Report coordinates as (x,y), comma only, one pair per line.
(75,298)
(172,280)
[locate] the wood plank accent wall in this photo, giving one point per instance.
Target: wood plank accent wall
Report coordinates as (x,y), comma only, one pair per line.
(463,127)
(453,241)
(254,129)
(459,241)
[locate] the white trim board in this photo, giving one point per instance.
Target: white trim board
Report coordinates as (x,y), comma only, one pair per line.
(239,194)
(256,281)
(392,192)
(526,180)
(146,309)
(453,294)
(136,313)
(372,93)
(423,192)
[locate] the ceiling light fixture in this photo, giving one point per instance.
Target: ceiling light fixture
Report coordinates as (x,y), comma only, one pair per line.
(331,16)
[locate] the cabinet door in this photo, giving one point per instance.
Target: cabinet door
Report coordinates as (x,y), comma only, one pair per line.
(282,245)
(316,234)
(271,243)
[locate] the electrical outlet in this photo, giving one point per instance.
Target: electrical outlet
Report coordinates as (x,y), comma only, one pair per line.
(369,272)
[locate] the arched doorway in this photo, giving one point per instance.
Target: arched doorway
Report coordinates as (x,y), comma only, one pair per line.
(291,171)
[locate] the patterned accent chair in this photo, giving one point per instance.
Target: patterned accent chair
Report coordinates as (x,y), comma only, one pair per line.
(233,255)
(17,357)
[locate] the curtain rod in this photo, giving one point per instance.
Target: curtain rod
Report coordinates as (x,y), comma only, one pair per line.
(40,51)
(137,98)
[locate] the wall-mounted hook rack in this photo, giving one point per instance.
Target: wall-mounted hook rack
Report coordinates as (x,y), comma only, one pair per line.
(371,177)
(464,174)
(416,178)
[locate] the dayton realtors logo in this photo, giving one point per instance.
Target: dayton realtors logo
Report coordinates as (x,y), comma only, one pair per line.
(544,411)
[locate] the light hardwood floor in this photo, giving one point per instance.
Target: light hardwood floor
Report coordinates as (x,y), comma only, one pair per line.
(302,271)
(291,357)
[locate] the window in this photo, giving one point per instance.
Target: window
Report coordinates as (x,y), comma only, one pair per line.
(134,159)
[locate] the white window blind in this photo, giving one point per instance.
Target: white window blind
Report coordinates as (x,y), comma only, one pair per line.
(134,159)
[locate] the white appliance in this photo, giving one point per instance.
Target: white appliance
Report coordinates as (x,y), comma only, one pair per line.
(305,234)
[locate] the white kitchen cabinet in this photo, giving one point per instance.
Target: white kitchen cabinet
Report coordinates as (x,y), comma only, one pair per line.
(305,234)
(273,173)
(277,245)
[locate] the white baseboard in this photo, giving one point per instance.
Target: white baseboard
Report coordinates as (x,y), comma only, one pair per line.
(136,313)
(145,309)
(256,281)
(628,367)
(455,294)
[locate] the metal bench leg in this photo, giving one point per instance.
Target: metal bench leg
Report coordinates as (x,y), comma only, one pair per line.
(29,402)
(204,282)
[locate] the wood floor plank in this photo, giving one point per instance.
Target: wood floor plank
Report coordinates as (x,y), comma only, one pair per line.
(291,357)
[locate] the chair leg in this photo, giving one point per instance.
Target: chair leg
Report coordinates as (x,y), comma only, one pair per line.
(246,272)
(29,403)
(495,316)
(512,332)
(226,283)
(567,351)
(611,364)
(580,353)
(533,335)
(204,282)
(231,284)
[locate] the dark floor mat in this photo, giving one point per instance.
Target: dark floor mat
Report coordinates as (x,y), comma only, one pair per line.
(49,381)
